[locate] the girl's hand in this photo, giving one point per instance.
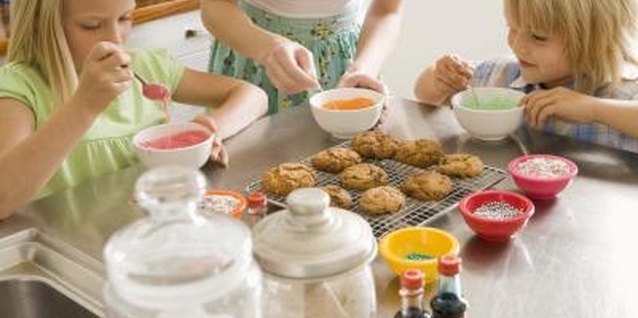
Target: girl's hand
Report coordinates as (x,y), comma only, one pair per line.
(560,102)
(451,75)
(104,76)
(290,67)
(218,154)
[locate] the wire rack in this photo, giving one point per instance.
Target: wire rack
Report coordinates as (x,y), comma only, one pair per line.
(415,212)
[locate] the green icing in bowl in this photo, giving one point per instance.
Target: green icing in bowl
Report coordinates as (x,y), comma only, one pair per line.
(489,103)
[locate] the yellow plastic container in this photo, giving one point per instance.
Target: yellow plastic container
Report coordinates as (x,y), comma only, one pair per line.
(397,245)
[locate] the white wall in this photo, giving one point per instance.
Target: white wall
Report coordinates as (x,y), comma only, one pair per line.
(471,28)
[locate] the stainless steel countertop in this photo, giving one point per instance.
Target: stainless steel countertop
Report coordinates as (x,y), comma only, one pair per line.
(574,259)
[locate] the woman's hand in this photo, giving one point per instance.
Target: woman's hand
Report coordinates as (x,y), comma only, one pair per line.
(104,76)
(560,102)
(290,67)
(359,79)
(218,154)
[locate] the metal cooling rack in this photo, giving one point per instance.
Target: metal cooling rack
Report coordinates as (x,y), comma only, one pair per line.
(415,212)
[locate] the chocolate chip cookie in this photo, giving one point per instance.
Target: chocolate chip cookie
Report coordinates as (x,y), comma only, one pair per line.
(420,153)
(363,176)
(334,160)
(382,200)
(286,177)
(461,165)
(339,197)
(427,186)
(375,144)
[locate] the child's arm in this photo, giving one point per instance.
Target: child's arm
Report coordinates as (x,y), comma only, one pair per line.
(288,64)
(436,85)
(29,157)
(572,106)
(376,41)
(236,104)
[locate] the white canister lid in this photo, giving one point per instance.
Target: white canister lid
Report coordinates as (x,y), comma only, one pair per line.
(312,241)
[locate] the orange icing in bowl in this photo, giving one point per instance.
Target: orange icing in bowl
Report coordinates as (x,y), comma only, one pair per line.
(349,104)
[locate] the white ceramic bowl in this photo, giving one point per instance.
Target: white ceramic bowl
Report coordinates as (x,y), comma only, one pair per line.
(346,123)
(484,123)
(193,156)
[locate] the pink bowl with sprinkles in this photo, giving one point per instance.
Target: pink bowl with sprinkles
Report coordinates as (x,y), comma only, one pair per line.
(542,176)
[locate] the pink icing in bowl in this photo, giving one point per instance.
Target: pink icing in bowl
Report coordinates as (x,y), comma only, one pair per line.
(178,140)
(184,144)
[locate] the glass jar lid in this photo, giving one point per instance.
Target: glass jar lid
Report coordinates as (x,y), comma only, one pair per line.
(310,240)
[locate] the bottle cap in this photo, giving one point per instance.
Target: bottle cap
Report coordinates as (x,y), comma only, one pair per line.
(256,199)
(449,265)
(412,278)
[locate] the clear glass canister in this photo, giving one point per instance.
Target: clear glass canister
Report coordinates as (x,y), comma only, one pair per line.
(177,263)
(316,260)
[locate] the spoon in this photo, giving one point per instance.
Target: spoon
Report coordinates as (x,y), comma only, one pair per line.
(153,91)
(475,97)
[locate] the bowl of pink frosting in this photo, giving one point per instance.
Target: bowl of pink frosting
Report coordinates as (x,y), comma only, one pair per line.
(184,144)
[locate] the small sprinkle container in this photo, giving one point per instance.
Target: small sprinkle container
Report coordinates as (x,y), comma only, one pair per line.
(541,176)
(496,215)
(224,202)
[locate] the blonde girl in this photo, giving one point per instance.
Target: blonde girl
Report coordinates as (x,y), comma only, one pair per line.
(69,104)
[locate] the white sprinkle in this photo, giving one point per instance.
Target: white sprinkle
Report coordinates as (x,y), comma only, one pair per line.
(497,210)
(543,168)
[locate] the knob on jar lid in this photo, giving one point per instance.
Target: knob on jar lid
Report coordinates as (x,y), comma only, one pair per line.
(449,265)
(412,278)
(310,240)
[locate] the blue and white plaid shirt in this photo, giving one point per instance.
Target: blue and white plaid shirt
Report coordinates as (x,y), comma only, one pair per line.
(506,73)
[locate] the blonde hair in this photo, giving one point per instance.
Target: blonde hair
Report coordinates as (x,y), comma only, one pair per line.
(38,40)
(597,34)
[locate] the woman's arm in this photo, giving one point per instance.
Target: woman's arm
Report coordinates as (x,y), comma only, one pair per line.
(288,65)
(230,25)
(378,36)
(236,104)
(29,158)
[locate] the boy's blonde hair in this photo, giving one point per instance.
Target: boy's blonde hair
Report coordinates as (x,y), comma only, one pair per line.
(597,34)
(38,40)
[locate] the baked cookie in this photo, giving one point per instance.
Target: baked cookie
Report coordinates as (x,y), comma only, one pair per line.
(382,200)
(363,176)
(461,165)
(427,186)
(334,160)
(375,144)
(286,177)
(339,197)
(420,153)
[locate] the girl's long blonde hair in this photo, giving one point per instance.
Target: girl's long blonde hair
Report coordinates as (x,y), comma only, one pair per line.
(598,34)
(38,40)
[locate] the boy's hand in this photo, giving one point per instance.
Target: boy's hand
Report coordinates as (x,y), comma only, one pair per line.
(104,76)
(218,154)
(290,67)
(451,75)
(560,102)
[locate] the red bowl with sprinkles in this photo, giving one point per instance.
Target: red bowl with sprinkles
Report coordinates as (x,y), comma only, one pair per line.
(542,176)
(496,215)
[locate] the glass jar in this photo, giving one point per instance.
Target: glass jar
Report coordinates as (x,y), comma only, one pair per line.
(178,263)
(316,260)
